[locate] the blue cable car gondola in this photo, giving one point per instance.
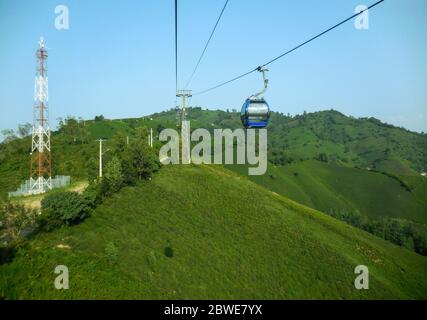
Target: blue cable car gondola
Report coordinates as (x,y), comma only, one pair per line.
(255,111)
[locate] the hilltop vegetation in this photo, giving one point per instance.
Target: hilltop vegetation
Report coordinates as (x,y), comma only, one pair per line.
(173,237)
(327,135)
(325,160)
(330,136)
(203,232)
(334,187)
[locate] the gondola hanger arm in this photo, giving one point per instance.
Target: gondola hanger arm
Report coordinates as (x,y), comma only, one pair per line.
(264,77)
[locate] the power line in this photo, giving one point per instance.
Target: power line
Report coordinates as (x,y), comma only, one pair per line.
(207,43)
(289,51)
(176,45)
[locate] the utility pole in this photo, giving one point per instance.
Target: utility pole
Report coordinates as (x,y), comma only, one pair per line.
(100,156)
(40,178)
(151,137)
(185,129)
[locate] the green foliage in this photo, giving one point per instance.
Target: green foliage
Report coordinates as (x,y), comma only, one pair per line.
(24,130)
(324,186)
(160,127)
(49,220)
(113,174)
(119,142)
(112,253)
(225,231)
(92,168)
(139,161)
(74,129)
(99,118)
(15,222)
(396,231)
(279,157)
(355,142)
(141,133)
(93,194)
(169,252)
(213,235)
(8,135)
(64,208)
(322,157)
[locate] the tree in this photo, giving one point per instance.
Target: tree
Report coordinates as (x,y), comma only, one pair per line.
(74,129)
(160,128)
(92,168)
(322,157)
(14,220)
(24,130)
(119,142)
(141,133)
(133,161)
(63,208)
(8,135)
(113,174)
(139,161)
(150,163)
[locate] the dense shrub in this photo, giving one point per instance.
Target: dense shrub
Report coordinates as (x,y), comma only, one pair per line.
(16,221)
(113,174)
(280,157)
(64,208)
(323,157)
(112,253)
(139,161)
(92,194)
(396,231)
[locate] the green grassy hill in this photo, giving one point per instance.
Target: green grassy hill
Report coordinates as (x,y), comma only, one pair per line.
(363,142)
(348,145)
(205,232)
(332,186)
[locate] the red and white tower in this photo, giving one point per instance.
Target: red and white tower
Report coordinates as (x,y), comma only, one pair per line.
(41,175)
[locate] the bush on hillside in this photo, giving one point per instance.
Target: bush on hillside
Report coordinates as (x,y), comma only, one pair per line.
(113,174)
(74,130)
(112,253)
(92,194)
(92,168)
(16,221)
(323,157)
(396,231)
(64,208)
(139,161)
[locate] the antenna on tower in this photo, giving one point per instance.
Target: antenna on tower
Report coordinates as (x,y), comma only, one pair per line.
(41,43)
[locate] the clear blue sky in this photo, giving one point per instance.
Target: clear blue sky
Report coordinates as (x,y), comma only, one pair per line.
(117,58)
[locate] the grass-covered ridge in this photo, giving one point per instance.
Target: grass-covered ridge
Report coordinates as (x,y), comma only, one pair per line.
(204,232)
(365,143)
(362,166)
(328,187)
